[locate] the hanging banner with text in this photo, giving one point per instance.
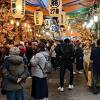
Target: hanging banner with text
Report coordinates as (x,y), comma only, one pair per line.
(18,8)
(55,7)
(38,17)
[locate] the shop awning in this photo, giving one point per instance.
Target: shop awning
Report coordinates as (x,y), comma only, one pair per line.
(68,5)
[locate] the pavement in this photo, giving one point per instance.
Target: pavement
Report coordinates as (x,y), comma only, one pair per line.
(80,92)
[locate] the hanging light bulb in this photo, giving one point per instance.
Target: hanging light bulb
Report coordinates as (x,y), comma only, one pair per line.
(84,25)
(95,18)
(28,26)
(43,31)
(17,23)
(47,33)
(30,30)
(71,32)
(89,25)
(69,27)
(12,22)
(91,21)
(25,24)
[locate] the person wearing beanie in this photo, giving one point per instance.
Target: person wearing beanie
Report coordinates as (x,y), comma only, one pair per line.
(22,49)
(14,75)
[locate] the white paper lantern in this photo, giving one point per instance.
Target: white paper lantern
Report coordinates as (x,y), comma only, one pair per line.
(18,8)
(55,7)
(38,17)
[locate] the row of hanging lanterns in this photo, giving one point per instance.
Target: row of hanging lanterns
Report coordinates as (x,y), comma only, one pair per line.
(55,10)
(18,11)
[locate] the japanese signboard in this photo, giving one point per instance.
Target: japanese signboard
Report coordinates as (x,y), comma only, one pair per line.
(18,8)
(38,17)
(55,7)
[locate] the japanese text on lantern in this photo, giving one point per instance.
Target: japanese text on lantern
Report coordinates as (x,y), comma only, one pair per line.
(18,8)
(55,7)
(38,17)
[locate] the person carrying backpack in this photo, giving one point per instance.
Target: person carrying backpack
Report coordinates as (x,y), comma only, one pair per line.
(66,63)
(39,75)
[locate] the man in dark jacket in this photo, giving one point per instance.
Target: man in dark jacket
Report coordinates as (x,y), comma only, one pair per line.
(95,59)
(14,75)
(66,63)
(79,58)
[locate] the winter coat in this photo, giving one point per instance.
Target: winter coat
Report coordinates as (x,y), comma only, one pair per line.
(79,52)
(67,54)
(95,57)
(14,68)
(38,62)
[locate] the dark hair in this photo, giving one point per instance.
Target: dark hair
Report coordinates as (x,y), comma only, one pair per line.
(67,40)
(43,41)
(30,43)
(98,42)
(41,46)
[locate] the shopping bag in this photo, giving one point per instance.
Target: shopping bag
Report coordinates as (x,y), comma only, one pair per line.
(28,83)
(90,78)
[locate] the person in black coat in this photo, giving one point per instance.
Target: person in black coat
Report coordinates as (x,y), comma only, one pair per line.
(79,58)
(95,60)
(67,55)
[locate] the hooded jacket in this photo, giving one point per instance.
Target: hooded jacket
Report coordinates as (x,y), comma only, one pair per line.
(14,68)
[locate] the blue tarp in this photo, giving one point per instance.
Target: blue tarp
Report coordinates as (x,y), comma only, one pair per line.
(41,3)
(44,3)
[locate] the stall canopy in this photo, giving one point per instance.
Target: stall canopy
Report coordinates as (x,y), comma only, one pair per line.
(68,5)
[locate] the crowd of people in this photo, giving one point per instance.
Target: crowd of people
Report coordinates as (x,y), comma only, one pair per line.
(19,61)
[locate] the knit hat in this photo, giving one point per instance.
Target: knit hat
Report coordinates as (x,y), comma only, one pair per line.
(22,49)
(14,51)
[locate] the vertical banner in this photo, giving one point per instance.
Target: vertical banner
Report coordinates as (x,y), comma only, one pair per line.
(55,7)
(62,18)
(18,8)
(38,17)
